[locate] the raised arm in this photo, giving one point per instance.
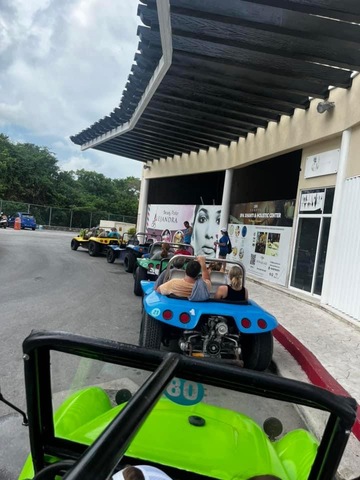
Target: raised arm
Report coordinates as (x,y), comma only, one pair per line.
(204,271)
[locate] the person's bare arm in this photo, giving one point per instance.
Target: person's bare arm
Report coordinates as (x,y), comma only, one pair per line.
(221,292)
(204,271)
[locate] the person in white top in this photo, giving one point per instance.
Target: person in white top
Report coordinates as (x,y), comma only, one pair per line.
(141,472)
(145,472)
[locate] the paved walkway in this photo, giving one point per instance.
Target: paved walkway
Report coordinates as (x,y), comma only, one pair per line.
(324,346)
(332,339)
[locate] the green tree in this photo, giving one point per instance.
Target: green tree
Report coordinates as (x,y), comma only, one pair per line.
(30,174)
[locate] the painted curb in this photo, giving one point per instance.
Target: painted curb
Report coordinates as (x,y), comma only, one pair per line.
(314,370)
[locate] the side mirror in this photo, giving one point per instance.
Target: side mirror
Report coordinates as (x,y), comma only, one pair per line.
(25,419)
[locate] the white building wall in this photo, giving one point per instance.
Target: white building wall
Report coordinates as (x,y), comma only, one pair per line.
(344,292)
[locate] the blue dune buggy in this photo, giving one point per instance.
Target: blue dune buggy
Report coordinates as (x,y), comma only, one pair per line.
(236,331)
(138,244)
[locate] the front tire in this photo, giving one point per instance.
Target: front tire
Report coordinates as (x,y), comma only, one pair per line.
(140,274)
(93,249)
(110,255)
(150,332)
(257,350)
(74,244)
(129,262)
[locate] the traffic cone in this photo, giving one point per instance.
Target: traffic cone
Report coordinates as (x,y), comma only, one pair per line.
(17,224)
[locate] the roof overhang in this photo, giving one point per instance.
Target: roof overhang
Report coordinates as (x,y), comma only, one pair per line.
(210,72)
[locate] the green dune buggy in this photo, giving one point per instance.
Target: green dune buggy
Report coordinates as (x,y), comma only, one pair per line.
(96,405)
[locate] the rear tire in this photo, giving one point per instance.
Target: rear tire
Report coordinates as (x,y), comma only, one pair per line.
(129,262)
(93,249)
(74,244)
(140,274)
(257,350)
(150,332)
(110,255)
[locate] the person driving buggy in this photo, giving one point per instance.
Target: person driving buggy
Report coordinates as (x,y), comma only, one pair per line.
(183,287)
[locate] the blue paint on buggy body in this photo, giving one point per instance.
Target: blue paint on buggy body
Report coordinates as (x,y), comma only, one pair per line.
(155,304)
(147,286)
(118,251)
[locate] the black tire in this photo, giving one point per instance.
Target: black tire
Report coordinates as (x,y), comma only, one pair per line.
(257,350)
(136,266)
(140,274)
(93,249)
(129,262)
(150,332)
(74,244)
(110,255)
(33,229)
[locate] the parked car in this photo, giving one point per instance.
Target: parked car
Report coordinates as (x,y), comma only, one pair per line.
(218,329)
(149,269)
(27,220)
(120,404)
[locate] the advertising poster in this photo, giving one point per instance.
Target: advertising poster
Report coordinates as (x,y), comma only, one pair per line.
(261,238)
(166,222)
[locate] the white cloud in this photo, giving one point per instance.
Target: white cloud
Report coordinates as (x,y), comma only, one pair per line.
(64,66)
(9,112)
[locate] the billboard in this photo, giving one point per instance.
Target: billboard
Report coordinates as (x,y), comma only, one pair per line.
(166,222)
(260,236)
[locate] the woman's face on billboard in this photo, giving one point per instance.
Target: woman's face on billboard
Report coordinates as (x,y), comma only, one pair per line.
(206,227)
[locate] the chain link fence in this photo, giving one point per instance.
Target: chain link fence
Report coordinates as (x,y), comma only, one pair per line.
(75,218)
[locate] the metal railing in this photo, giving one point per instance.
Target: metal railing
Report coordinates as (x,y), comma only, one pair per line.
(71,218)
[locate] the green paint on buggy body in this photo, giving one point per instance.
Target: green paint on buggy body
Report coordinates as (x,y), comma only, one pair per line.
(229,446)
(145,262)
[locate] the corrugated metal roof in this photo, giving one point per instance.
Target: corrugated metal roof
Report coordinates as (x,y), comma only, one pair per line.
(236,65)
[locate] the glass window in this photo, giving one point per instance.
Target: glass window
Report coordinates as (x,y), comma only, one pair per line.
(319,276)
(305,251)
(329,200)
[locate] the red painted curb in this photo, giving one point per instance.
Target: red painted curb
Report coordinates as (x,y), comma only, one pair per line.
(316,373)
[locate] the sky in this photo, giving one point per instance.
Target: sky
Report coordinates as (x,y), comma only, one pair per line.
(63,66)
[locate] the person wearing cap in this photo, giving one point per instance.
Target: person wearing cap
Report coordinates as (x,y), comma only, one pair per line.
(223,243)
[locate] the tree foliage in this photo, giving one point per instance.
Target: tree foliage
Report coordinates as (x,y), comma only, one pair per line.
(30,174)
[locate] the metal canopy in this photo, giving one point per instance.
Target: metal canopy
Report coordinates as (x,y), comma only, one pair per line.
(236,65)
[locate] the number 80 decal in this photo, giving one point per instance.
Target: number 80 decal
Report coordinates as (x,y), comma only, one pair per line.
(184,392)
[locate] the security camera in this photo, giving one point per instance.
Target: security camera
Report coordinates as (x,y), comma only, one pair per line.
(325,106)
(147,167)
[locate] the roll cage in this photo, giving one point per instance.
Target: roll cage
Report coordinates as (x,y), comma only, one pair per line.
(102,457)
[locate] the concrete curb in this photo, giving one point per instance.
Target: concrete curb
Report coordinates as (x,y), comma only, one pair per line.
(314,370)
(294,360)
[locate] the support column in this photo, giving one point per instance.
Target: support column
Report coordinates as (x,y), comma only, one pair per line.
(335,217)
(141,218)
(225,208)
